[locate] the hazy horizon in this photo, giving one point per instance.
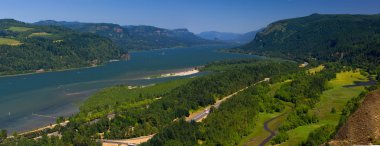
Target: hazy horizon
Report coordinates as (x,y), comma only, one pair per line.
(197,15)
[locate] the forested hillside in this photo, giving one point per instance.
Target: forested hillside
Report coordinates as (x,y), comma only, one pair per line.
(26,48)
(135,37)
(350,39)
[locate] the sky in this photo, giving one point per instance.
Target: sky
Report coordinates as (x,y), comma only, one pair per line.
(237,16)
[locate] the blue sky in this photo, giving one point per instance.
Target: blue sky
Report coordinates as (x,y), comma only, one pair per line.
(196,15)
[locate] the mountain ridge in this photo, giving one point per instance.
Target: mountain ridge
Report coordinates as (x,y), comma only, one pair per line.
(26,48)
(135,37)
(350,39)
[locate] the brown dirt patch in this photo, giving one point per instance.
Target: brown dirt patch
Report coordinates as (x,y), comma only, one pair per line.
(363,126)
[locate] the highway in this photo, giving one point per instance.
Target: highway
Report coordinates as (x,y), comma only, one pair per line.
(199,116)
(126,142)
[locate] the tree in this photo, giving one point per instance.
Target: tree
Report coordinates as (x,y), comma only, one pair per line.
(333,110)
(15,134)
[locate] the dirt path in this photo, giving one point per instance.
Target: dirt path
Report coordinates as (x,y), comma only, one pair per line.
(272,132)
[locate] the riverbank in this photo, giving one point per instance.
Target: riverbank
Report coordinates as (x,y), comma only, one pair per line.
(184,72)
(41,71)
(48,113)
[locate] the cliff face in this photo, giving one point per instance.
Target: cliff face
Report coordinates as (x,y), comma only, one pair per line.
(363,126)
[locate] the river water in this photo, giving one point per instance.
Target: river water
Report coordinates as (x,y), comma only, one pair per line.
(31,101)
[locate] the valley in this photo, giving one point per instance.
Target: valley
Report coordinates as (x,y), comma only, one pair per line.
(194,73)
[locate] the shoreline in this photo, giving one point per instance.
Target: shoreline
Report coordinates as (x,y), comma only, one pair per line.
(50,126)
(48,71)
(164,74)
(183,72)
(112,60)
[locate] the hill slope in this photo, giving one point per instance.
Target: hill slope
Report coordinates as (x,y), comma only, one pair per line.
(26,48)
(352,39)
(135,37)
(362,127)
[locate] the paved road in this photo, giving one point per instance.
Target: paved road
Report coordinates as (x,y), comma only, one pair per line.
(202,115)
(198,117)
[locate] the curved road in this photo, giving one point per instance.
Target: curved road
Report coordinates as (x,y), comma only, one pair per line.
(272,133)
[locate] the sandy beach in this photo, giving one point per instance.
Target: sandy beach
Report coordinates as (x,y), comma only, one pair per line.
(174,74)
(183,73)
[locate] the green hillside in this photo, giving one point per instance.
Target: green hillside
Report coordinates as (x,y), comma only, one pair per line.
(351,39)
(25,48)
(135,37)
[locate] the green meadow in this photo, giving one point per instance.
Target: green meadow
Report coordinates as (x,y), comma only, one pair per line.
(19,29)
(335,97)
(316,69)
(40,34)
(259,133)
(7,41)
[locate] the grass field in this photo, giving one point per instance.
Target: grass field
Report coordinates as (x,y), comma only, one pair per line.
(316,69)
(40,34)
(337,96)
(259,133)
(19,29)
(7,41)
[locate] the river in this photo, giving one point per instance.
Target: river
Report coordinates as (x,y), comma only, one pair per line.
(31,101)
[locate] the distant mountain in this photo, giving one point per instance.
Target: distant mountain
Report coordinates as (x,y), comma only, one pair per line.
(351,39)
(135,37)
(26,48)
(228,37)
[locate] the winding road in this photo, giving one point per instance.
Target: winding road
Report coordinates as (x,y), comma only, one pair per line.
(272,133)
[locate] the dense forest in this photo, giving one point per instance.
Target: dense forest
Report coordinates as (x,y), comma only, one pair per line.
(224,126)
(26,48)
(349,39)
(135,37)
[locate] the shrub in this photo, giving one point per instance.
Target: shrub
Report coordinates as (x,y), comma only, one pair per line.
(280,138)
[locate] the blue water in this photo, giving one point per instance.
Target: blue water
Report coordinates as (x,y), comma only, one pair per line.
(24,98)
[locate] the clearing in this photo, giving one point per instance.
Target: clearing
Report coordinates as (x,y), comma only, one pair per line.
(316,69)
(11,42)
(335,97)
(40,34)
(19,29)
(259,134)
